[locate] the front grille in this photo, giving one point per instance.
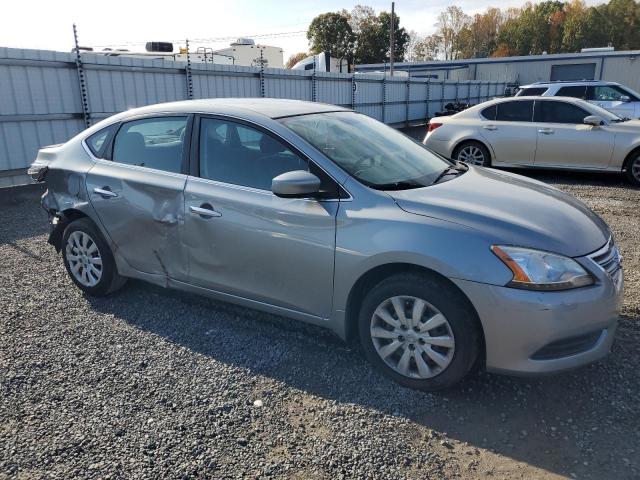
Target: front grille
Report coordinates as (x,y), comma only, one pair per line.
(568,346)
(609,258)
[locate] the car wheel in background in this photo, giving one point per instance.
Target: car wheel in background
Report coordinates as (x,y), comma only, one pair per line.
(88,259)
(473,153)
(419,331)
(633,169)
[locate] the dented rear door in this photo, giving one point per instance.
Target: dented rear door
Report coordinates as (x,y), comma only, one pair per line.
(143,214)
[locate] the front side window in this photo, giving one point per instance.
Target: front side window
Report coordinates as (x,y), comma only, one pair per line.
(559,112)
(372,152)
(607,93)
(234,153)
(152,142)
(515,111)
(578,91)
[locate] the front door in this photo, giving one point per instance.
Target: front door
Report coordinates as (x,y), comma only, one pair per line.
(510,132)
(610,98)
(243,240)
(565,141)
(138,195)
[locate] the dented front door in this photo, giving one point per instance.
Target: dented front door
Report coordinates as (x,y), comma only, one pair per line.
(142,210)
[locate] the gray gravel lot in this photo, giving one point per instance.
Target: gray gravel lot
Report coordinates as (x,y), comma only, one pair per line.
(150,383)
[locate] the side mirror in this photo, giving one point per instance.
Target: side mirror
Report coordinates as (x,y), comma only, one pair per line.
(625,98)
(296,184)
(593,120)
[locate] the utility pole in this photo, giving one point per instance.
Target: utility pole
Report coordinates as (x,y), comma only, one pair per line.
(391,38)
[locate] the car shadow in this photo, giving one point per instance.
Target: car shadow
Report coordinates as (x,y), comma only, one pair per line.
(553,423)
(21,215)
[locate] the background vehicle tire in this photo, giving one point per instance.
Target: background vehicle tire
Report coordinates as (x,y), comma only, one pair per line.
(633,169)
(88,259)
(434,346)
(473,153)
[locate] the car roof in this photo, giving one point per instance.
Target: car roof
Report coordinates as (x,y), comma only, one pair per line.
(568,83)
(269,107)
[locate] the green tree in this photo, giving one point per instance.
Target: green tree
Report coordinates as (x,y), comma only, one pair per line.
(331,32)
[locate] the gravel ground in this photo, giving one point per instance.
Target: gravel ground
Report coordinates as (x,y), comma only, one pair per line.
(150,383)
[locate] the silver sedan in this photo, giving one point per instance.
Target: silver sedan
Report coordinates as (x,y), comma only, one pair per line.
(540,132)
(327,216)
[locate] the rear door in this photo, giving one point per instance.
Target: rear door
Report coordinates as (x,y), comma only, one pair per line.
(242,239)
(137,193)
(565,141)
(510,132)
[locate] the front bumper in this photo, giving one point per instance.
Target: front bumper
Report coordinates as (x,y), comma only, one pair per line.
(528,332)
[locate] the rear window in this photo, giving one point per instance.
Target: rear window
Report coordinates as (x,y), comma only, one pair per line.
(531,92)
(579,91)
(515,111)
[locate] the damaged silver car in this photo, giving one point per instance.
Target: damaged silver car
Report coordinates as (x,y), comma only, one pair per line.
(327,216)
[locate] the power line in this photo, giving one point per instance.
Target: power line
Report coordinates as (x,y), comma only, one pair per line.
(215,39)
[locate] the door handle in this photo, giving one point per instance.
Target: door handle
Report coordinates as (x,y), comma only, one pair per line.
(205,210)
(105,192)
(545,131)
(490,127)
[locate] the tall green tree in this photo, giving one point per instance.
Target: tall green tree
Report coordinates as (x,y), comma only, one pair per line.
(331,32)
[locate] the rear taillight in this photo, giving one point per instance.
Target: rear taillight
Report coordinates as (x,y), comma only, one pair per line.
(433,126)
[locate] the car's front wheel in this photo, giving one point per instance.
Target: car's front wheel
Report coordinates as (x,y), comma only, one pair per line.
(473,153)
(633,169)
(419,331)
(88,259)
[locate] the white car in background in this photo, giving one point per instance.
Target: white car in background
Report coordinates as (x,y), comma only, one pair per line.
(611,96)
(542,132)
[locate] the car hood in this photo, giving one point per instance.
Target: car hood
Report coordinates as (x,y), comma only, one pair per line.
(510,209)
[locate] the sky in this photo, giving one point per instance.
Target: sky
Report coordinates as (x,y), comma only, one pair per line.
(48,24)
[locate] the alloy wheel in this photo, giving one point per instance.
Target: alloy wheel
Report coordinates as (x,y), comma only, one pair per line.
(412,337)
(635,168)
(83,256)
(471,154)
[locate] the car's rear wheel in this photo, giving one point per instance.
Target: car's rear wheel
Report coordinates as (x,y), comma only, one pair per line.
(419,331)
(633,169)
(88,259)
(473,153)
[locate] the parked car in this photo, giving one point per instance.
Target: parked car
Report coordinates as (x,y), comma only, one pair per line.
(327,216)
(611,96)
(539,132)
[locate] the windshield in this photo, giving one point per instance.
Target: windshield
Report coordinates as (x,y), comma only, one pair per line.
(375,154)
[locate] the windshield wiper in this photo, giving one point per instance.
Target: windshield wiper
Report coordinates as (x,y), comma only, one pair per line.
(404,185)
(449,171)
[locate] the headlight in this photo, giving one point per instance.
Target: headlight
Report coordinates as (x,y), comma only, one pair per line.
(539,270)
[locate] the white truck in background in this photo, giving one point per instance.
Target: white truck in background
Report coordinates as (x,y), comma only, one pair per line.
(323,62)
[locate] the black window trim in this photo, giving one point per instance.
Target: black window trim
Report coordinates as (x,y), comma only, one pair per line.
(194,157)
(184,166)
(558,100)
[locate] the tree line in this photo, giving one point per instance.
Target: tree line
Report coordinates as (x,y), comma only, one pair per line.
(362,36)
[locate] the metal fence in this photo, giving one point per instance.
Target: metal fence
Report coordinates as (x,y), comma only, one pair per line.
(47,97)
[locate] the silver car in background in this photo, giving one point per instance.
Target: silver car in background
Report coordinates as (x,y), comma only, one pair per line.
(327,216)
(540,132)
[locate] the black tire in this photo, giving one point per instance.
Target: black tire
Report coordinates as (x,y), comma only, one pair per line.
(109,280)
(461,317)
(486,156)
(632,169)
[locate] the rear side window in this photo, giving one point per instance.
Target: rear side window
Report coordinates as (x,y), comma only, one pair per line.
(99,140)
(489,113)
(531,92)
(559,112)
(579,91)
(515,111)
(152,142)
